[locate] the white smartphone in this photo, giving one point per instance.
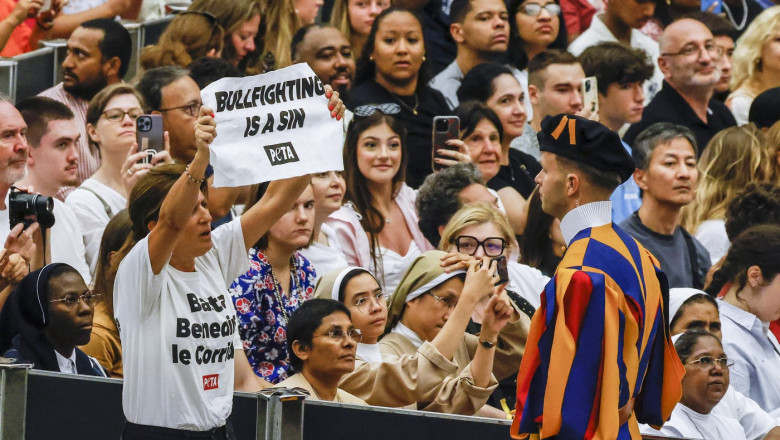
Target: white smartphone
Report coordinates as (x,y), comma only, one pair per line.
(590,95)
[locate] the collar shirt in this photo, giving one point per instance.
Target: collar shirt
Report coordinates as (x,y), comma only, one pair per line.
(67,365)
(408,333)
(599,33)
(447,83)
(756,355)
(588,215)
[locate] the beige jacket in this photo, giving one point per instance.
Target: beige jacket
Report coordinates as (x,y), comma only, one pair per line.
(299,381)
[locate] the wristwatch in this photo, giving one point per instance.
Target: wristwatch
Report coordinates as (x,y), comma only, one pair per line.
(487,344)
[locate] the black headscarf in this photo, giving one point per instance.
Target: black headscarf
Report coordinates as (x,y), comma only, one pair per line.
(26,312)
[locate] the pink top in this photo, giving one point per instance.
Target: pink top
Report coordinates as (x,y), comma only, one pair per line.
(352,238)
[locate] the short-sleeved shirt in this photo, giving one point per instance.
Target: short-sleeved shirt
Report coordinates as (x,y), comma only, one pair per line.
(261,318)
(179,335)
(669,106)
(672,252)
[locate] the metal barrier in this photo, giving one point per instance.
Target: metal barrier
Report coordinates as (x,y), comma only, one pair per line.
(60,52)
(40,405)
(136,36)
(152,29)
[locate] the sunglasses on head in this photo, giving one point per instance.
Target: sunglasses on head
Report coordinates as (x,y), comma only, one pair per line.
(389,109)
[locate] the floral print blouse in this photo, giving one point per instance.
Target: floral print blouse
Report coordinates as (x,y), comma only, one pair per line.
(261,322)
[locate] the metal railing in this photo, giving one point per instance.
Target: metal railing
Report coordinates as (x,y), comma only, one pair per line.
(30,73)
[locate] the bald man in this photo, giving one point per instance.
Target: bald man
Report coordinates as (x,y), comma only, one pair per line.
(689,63)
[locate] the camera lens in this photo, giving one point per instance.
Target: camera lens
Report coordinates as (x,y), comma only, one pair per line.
(441,125)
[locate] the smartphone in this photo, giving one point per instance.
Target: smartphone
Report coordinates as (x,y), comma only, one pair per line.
(501,271)
(46,6)
(590,95)
(444,129)
(716,6)
(149,134)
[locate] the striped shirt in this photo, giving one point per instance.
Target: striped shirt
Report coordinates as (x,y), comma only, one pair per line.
(89,157)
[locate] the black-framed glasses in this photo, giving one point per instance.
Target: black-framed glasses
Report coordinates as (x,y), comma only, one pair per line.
(367,110)
(492,246)
(714,50)
(117,114)
(708,362)
(338,334)
(72,299)
(365,303)
(191,108)
(445,301)
(534,9)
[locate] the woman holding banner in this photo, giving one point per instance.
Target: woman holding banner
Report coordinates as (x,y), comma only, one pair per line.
(182,353)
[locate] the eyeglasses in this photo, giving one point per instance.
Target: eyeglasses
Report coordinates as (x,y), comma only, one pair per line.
(715,51)
(365,303)
(117,114)
(369,109)
(338,334)
(72,299)
(191,108)
(707,362)
(493,246)
(446,301)
(534,9)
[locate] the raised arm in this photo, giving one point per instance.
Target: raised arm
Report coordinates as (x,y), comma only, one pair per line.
(182,199)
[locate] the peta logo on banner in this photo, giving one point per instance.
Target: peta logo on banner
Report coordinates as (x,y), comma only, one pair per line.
(279,154)
(210,382)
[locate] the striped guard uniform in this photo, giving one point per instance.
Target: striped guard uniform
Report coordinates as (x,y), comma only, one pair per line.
(599,342)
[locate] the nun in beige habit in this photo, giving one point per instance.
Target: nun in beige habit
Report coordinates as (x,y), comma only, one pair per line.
(425,378)
(427,299)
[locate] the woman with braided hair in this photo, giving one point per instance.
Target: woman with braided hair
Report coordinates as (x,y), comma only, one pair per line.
(750,278)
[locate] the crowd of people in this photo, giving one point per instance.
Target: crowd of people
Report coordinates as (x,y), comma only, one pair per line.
(597,254)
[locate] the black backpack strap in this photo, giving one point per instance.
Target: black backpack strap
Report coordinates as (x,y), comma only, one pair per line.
(693,257)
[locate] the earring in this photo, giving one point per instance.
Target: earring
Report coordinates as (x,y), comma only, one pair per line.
(371,58)
(759,65)
(424,58)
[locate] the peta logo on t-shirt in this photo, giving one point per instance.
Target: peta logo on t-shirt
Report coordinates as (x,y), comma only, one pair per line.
(210,382)
(280,154)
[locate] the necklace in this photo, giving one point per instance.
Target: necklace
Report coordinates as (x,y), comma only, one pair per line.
(405,105)
(278,289)
(720,436)
(741,25)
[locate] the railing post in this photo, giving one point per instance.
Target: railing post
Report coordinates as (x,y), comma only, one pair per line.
(13,400)
(279,415)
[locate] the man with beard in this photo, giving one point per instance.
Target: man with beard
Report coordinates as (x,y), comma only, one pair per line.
(620,23)
(480,29)
(98,55)
(689,61)
(52,138)
(329,55)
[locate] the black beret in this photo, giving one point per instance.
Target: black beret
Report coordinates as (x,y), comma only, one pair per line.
(765,109)
(585,141)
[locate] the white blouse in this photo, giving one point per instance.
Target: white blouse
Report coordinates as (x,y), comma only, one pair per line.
(687,423)
(394,267)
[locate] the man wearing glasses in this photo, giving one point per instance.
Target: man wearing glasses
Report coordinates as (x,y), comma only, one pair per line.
(689,62)
(599,358)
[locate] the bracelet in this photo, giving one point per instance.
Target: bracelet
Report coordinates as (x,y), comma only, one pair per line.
(44,25)
(192,179)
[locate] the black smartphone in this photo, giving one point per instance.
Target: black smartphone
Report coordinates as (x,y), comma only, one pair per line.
(503,275)
(444,129)
(149,135)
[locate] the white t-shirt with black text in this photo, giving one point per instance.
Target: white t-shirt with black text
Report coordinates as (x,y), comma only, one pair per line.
(178,332)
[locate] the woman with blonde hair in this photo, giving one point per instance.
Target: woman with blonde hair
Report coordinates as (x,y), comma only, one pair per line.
(354,19)
(756,63)
(772,146)
(733,158)
(478,230)
(185,40)
(240,21)
(281,23)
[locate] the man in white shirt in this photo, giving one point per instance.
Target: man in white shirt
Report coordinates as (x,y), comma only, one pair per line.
(480,29)
(52,164)
(620,22)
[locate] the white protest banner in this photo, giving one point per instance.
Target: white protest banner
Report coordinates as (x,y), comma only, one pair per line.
(272,126)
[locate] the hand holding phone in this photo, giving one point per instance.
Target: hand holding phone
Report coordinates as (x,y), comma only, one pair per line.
(501,270)
(444,129)
(590,98)
(149,135)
